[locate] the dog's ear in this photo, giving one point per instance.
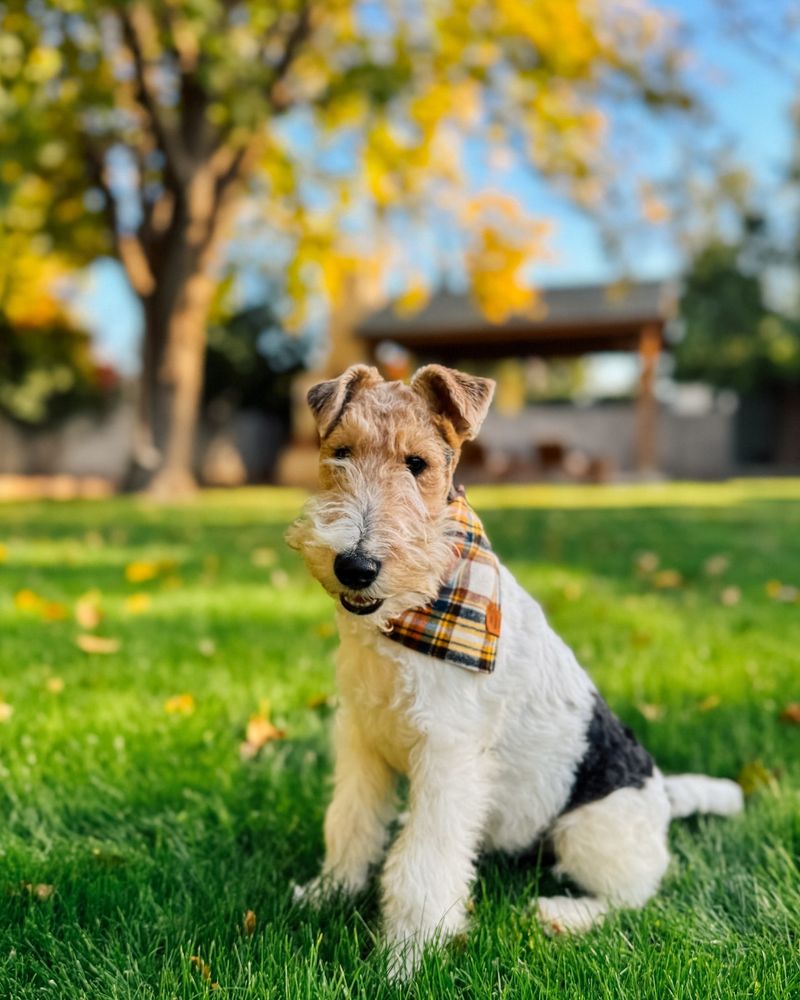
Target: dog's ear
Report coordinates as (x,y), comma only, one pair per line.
(328,400)
(463,399)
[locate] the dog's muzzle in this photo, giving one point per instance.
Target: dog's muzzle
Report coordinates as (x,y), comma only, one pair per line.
(357,571)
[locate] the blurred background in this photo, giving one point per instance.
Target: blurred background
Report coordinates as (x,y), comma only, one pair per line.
(208,205)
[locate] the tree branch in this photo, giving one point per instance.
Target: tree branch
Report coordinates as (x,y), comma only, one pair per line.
(134,32)
(128,246)
(277,93)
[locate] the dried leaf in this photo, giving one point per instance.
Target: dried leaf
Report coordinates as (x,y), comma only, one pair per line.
(653,713)
(730,596)
(772,588)
(207,647)
(140,571)
(55,685)
(88,613)
(202,967)
(27,600)
(97,644)
(709,703)
(791,714)
(647,562)
(136,604)
(54,611)
(260,731)
(263,558)
(755,776)
(667,579)
(716,565)
(249,923)
(180,704)
(39,890)
(279,579)
(6,711)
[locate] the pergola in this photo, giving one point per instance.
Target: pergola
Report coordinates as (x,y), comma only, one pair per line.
(569,321)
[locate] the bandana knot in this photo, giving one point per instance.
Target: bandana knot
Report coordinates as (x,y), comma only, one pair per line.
(462,623)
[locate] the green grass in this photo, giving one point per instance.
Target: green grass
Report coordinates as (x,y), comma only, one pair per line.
(157,836)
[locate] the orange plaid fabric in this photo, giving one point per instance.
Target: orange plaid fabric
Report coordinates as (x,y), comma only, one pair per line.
(462,624)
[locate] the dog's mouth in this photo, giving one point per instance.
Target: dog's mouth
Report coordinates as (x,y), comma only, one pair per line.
(358,605)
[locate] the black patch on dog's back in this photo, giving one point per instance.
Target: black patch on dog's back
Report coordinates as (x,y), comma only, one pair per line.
(613,759)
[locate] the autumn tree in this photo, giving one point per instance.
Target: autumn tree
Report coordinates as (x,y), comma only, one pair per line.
(140,127)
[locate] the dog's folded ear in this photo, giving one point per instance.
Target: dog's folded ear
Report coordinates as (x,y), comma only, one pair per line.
(463,399)
(328,400)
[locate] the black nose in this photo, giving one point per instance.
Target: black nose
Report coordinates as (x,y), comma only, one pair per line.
(355,570)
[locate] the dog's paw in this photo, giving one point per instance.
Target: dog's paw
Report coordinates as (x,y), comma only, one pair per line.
(313,893)
(559,915)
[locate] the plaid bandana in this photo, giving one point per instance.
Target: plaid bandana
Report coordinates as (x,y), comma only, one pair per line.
(463,622)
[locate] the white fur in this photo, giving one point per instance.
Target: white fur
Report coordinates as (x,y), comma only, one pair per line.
(490,758)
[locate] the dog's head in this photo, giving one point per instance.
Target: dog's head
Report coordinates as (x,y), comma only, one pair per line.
(374,535)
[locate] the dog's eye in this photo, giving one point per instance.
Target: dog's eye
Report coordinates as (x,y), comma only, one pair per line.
(415,465)
(341,453)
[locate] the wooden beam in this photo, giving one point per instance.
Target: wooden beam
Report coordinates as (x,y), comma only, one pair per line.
(646,407)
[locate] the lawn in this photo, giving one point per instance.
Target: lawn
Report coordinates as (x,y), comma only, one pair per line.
(138,826)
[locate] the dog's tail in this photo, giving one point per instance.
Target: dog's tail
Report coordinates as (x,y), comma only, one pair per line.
(696,793)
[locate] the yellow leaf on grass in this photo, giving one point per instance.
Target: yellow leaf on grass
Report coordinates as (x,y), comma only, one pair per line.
(709,703)
(55,685)
(180,704)
(249,923)
(263,557)
(54,611)
(88,613)
(27,600)
(137,604)
(667,579)
(653,713)
(97,644)
(3,553)
(6,711)
(791,714)
(772,588)
(730,596)
(716,565)
(754,776)
(140,571)
(39,890)
(647,562)
(259,732)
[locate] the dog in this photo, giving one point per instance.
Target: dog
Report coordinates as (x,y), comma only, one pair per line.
(450,675)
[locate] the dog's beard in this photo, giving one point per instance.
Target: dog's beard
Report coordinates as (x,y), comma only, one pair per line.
(414,550)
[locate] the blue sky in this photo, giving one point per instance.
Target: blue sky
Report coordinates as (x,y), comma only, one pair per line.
(750,103)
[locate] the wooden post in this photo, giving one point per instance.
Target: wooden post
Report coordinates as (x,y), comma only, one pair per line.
(646,411)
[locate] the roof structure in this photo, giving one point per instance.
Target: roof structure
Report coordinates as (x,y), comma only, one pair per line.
(569,321)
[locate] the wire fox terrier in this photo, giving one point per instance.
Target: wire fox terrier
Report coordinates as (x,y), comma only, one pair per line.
(450,675)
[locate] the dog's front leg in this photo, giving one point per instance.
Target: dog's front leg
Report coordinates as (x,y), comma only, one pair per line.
(429,870)
(357,817)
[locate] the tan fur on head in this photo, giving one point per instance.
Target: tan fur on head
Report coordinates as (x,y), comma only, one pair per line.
(372,434)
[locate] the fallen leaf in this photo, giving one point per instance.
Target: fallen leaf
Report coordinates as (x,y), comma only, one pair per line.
(279,579)
(54,611)
(730,596)
(55,685)
(3,553)
(716,565)
(202,967)
(772,588)
(249,923)
(140,571)
(136,604)
(709,703)
(39,890)
(180,704)
(88,613)
(6,711)
(207,647)
(263,557)
(27,600)
(667,579)
(754,776)
(647,562)
(97,644)
(260,731)
(572,591)
(791,714)
(653,713)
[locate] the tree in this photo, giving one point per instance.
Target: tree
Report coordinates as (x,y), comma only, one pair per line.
(141,126)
